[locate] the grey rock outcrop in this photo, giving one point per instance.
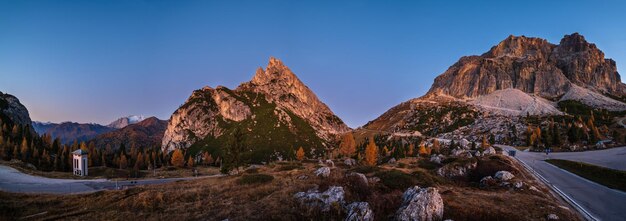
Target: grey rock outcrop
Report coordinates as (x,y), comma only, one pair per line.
(324,200)
(359,211)
(15,111)
(323,172)
(534,66)
(504,175)
(457,169)
(420,204)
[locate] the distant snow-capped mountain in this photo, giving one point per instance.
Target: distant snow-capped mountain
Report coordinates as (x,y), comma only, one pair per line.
(125,121)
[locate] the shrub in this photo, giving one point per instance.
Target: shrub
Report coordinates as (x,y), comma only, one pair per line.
(252,170)
(289,167)
(365,169)
(395,179)
(254,179)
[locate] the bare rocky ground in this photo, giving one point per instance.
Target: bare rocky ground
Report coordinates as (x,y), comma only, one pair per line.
(410,187)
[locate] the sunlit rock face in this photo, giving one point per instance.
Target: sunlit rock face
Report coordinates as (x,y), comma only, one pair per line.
(274,90)
(534,66)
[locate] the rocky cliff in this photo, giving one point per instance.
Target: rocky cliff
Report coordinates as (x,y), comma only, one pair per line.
(276,111)
(532,65)
(518,77)
(12,111)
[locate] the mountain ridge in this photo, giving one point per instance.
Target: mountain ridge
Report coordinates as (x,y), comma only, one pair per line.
(273,105)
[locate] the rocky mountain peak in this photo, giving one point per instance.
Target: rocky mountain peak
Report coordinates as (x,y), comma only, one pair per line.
(532,65)
(576,43)
(520,46)
(208,113)
(275,73)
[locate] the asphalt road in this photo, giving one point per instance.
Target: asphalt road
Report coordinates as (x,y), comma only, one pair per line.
(12,180)
(614,158)
(601,202)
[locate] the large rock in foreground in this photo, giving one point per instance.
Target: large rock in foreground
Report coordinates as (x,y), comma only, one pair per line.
(420,204)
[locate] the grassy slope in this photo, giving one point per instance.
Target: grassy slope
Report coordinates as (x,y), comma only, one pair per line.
(611,178)
(263,134)
(270,197)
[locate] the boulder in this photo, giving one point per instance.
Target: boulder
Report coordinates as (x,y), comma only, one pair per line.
(323,172)
(489,151)
(553,217)
(534,189)
(373,179)
(435,159)
(487,181)
(478,154)
(324,200)
(392,161)
(329,163)
(359,211)
(504,175)
(361,177)
(518,184)
(464,143)
(456,169)
(423,204)
(349,162)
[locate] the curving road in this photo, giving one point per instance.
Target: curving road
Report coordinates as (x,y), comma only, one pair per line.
(12,180)
(601,202)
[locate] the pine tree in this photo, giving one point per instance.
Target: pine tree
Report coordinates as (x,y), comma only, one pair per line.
(300,154)
(232,158)
(411,150)
(436,146)
(207,159)
(178,160)
(24,149)
(484,144)
(123,162)
(422,150)
(190,162)
(347,148)
(386,151)
(371,153)
(139,163)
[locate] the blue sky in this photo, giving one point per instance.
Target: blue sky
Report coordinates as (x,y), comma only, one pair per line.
(94,61)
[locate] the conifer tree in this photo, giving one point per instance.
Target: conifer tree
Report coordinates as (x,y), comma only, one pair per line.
(178,160)
(190,162)
(371,153)
(300,154)
(347,148)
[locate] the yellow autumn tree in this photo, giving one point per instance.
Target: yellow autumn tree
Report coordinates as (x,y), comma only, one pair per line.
(386,151)
(178,160)
(300,154)
(422,150)
(371,153)
(347,148)
(190,162)
(436,146)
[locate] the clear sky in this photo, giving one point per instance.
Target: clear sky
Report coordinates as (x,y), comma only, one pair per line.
(95,61)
